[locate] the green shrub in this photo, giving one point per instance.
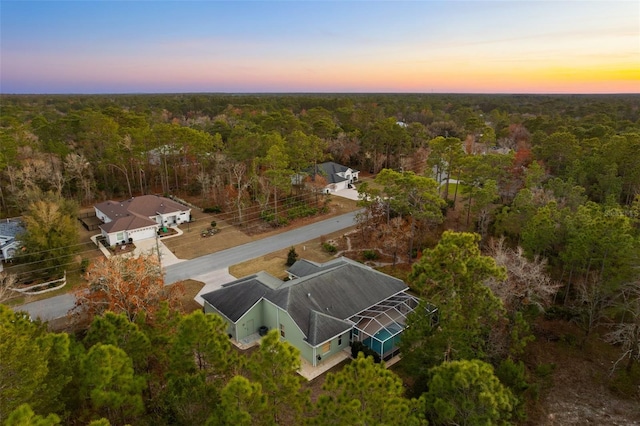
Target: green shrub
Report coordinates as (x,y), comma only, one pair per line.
(513,375)
(329,248)
(301,211)
(84,265)
(357,347)
(214,209)
(560,313)
(370,254)
(625,382)
(545,370)
(267,215)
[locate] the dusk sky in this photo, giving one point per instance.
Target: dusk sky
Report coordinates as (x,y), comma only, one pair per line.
(320,46)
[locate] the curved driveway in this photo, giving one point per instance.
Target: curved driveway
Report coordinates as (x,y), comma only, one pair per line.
(58,306)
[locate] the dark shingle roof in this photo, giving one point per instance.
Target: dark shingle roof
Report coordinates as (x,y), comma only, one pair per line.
(319,303)
(235,298)
(304,267)
(11,227)
(9,230)
(323,327)
(329,171)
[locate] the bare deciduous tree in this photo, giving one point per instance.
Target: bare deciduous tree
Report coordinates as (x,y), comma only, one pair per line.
(7,281)
(627,332)
(527,280)
(79,169)
(204,180)
(237,190)
(344,147)
(394,237)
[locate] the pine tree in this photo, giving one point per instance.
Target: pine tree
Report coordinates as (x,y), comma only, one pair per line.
(110,384)
(274,365)
(292,256)
(467,393)
(365,393)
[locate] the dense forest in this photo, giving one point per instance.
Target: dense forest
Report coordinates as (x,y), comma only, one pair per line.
(505,209)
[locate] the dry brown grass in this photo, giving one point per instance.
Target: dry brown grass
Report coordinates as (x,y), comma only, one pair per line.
(191,244)
(191,289)
(275,263)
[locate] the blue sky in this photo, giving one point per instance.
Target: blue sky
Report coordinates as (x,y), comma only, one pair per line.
(327,46)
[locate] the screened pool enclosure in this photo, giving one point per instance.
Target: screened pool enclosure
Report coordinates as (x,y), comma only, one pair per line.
(380,326)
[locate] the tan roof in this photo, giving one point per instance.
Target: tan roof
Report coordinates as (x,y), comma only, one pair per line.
(146,205)
(131,221)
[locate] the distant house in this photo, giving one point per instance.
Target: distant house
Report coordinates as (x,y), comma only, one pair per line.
(337,176)
(9,231)
(139,218)
(321,310)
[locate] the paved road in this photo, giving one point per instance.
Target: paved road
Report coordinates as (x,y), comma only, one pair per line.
(51,308)
(58,306)
(222,259)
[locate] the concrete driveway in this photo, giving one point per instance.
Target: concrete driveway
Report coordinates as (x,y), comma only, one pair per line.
(150,246)
(351,194)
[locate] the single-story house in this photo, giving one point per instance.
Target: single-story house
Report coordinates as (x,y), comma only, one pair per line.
(336,175)
(139,218)
(9,231)
(321,310)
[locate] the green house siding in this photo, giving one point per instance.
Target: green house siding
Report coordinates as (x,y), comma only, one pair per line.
(338,344)
(231,328)
(251,321)
(265,313)
(275,317)
(270,315)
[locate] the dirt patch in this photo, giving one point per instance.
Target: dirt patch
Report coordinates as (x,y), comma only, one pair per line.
(577,391)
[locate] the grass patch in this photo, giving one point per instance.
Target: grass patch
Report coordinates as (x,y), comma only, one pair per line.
(191,289)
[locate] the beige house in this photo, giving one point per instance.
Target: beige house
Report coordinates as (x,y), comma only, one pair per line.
(139,218)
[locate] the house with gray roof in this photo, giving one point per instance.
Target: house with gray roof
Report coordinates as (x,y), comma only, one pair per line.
(337,176)
(139,218)
(321,310)
(9,231)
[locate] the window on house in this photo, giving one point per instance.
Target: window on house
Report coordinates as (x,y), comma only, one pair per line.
(340,341)
(281,330)
(326,347)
